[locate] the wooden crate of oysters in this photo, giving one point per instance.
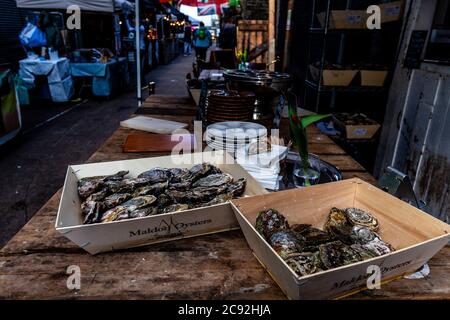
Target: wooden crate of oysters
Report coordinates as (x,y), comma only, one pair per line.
(123,204)
(355,125)
(324,241)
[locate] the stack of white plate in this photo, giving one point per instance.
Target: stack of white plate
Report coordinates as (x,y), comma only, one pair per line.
(233,135)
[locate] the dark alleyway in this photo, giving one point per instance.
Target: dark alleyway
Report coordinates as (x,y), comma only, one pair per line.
(33,169)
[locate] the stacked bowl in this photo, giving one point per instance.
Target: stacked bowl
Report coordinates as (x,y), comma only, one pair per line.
(224,105)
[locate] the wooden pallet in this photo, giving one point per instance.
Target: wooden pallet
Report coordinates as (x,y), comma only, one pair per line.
(253,36)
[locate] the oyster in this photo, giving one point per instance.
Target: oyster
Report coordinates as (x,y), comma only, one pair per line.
(362,218)
(378,247)
(178,175)
(338,225)
(364,252)
(163,200)
(363,235)
(286,242)
(196,195)
(237,188)
(213,180)
(305,263)
(270,221)
(156,175)
(145,212)
(175,208)
(98,196)
(335,254)
(116,199)
(200,170)
(313,236)
(92,211)
(88,186)
(153,189)
(124,210)
(221,198)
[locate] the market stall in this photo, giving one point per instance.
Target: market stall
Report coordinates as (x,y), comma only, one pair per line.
(56,73)
(107,78)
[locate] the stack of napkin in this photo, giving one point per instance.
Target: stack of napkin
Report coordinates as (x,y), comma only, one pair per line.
(264,167)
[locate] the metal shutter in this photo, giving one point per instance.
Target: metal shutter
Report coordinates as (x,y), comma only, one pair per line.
(11,23)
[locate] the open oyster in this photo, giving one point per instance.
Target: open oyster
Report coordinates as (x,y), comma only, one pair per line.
(338,225)
(305,263)
(270,221)
(286,242)
(362,218)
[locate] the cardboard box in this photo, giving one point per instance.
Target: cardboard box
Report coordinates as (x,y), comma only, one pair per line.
(344,19)
(331,77)
(391,11)
(373,78)
(100,237)
(357,131)
(415,235)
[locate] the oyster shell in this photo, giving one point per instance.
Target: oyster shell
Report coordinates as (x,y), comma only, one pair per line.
(335,254)
(175,208)
(156,175)
(92,211)
(363,235)
(237,188)
(153,189)
(338,225)
(88,186)
(196,195)
(270,221)
(124,210)
(364,252)
(213,180)
(286,242)
(313,236)
(362,218)
(145,212)
(305,263)
(378,247)
(200,170)
(179,175)
(116,199)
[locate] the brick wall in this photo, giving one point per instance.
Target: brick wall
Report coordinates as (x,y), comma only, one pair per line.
(255,9)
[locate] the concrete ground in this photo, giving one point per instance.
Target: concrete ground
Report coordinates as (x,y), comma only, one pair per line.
(33,168)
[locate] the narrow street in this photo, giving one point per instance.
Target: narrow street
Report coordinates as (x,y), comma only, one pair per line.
(34,167)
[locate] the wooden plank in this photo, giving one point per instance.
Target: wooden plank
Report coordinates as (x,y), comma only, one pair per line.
(33,264)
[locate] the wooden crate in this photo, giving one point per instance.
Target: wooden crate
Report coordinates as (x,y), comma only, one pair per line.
(414,234)
(356,131)
(332,77)
(344,19)
(253,35)
(374,78)
(391,11)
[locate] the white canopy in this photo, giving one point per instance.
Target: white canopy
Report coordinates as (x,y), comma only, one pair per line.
(85,5)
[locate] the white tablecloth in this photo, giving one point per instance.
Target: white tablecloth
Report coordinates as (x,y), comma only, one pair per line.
(57,72)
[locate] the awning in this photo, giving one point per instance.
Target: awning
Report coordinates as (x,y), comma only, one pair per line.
(85,5)
(173,11)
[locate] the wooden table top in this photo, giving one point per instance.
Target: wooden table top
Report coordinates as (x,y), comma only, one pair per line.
(34,262)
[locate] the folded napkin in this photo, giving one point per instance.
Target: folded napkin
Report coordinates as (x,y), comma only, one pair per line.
(264,167)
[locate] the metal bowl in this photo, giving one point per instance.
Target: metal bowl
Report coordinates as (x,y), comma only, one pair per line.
(267,86)
(328,172)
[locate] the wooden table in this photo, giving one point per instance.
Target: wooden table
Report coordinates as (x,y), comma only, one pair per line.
(33,264)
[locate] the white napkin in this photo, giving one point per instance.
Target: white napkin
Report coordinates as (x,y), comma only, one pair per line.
(264,167)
